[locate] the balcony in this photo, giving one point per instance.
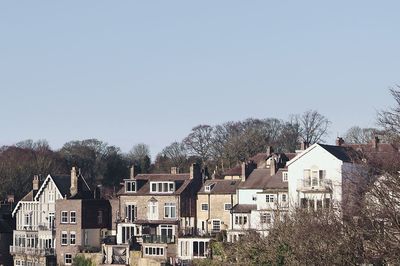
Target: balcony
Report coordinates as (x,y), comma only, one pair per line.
(315,185)
(158,239)
(45,227)
(32,251)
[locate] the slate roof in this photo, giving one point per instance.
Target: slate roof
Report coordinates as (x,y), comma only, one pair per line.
(345,154)
(261,179)
(257,179)
(235,171)
(221,186)
(181,183)
(244,208)
(63,183)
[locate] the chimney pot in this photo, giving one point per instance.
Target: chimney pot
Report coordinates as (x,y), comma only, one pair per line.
(174,170)
(339,141)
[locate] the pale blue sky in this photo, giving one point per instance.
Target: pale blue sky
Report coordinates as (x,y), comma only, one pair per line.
(127,72)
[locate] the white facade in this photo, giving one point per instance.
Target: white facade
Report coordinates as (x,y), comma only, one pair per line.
(34,236)
(315,179)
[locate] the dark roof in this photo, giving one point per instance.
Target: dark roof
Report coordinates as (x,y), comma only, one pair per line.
(237,170)
(345,154)
(244,208)
(221,186)
(28,197)
(63,183)
(259,157)
(181,183)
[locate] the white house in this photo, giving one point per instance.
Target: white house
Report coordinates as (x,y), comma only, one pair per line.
(316,176)
(34,237)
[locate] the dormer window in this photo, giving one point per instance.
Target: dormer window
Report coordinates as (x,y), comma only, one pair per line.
(285,176)
(208,188)
(162,187)
(130,186)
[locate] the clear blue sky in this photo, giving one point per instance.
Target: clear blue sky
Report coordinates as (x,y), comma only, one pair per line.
(127,72)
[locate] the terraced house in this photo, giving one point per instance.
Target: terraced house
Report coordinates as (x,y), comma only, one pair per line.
(154,209)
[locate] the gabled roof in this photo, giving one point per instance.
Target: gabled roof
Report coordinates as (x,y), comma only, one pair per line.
(342,153)
(221,186)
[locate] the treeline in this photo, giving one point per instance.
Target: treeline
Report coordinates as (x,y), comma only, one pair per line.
(217,148)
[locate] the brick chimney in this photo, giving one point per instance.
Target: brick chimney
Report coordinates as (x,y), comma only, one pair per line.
(270,150)
(74,182)
(174,170)
(272,166)
(304,145)
(339,141)
(132,172)
(375,142)
(247,168)
(35,182)
(195,171)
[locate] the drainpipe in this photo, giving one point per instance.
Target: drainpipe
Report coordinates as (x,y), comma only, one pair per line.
(208,211)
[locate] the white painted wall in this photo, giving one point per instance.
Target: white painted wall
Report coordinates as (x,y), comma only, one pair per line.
(245,195)
(315,157)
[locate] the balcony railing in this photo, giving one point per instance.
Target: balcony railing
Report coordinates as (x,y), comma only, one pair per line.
(45,227)
(315,185)
(157,239)
(32,251)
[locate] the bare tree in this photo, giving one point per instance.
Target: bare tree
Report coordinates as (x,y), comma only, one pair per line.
(390,119)
(199,142)
(140,156)
(177,153)
(314,126)
(357,135)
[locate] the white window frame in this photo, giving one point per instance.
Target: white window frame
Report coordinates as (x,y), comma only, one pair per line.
(64,218)
(72,218)
(130,186)
(285,176)
(229,208)
(51,196)
(241,219)
(130,212)
(284,198)
(162,187)
(72,238)
(270,198)
(204,207)
(68,259)
(64,236)
(170,210)
(214,225)
(152,251)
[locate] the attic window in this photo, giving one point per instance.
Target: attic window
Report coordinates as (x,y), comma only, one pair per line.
(208,188)
(130,186)
(285,176)
(162,187)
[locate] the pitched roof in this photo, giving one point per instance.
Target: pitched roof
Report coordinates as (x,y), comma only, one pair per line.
(237,170)
(345,154)
(221,186)
(244,208)
(257,179)
(276,181)
(181,182)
